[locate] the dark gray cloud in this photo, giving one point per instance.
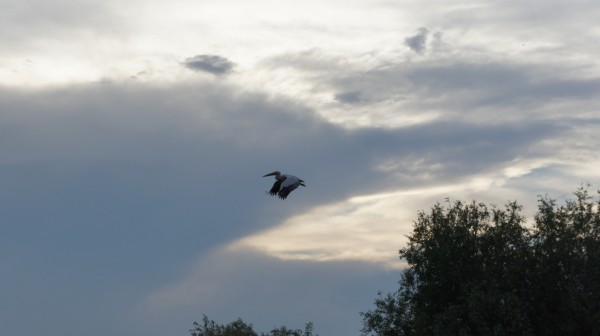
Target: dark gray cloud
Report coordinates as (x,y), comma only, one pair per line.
(348,97)
(463,88)
(487,88)
(418,42)
(202,145)
(110,189)
(214,64)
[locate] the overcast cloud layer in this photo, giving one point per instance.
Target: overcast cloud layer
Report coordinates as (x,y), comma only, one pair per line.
(134,137)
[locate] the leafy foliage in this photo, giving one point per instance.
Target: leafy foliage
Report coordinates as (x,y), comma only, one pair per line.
(211,328)
(479,270)
(240,328)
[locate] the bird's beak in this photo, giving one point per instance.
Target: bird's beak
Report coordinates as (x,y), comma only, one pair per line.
(270,174)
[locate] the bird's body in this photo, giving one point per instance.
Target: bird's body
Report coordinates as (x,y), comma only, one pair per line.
(284,184)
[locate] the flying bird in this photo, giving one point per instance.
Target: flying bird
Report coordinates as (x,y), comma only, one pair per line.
(284,184)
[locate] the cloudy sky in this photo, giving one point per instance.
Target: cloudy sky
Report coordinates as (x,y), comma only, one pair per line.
(134,134)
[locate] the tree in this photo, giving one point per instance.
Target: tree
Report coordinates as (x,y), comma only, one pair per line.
(283,331)
(240,328)
(211,328)
(566,245)
(475,269)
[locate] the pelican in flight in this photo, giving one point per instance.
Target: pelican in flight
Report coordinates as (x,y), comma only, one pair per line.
(284,184)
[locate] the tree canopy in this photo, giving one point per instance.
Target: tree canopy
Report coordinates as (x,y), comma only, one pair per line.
(240,328)
(476,269)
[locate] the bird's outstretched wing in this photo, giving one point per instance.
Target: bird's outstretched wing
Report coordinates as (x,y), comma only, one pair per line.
(275,189)
(286,190)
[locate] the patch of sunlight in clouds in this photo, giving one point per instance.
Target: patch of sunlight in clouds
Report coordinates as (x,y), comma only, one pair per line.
(361,228)
(520,167)
(579,155)
(367,228)
(371,228)
(46,71)
(377,115)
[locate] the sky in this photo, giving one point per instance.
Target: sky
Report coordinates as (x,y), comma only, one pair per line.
(134,136)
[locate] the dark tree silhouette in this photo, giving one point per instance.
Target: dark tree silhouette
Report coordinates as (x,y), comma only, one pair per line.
(240,328)
(475,269)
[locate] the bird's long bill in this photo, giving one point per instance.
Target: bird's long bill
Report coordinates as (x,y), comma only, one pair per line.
(270,174)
